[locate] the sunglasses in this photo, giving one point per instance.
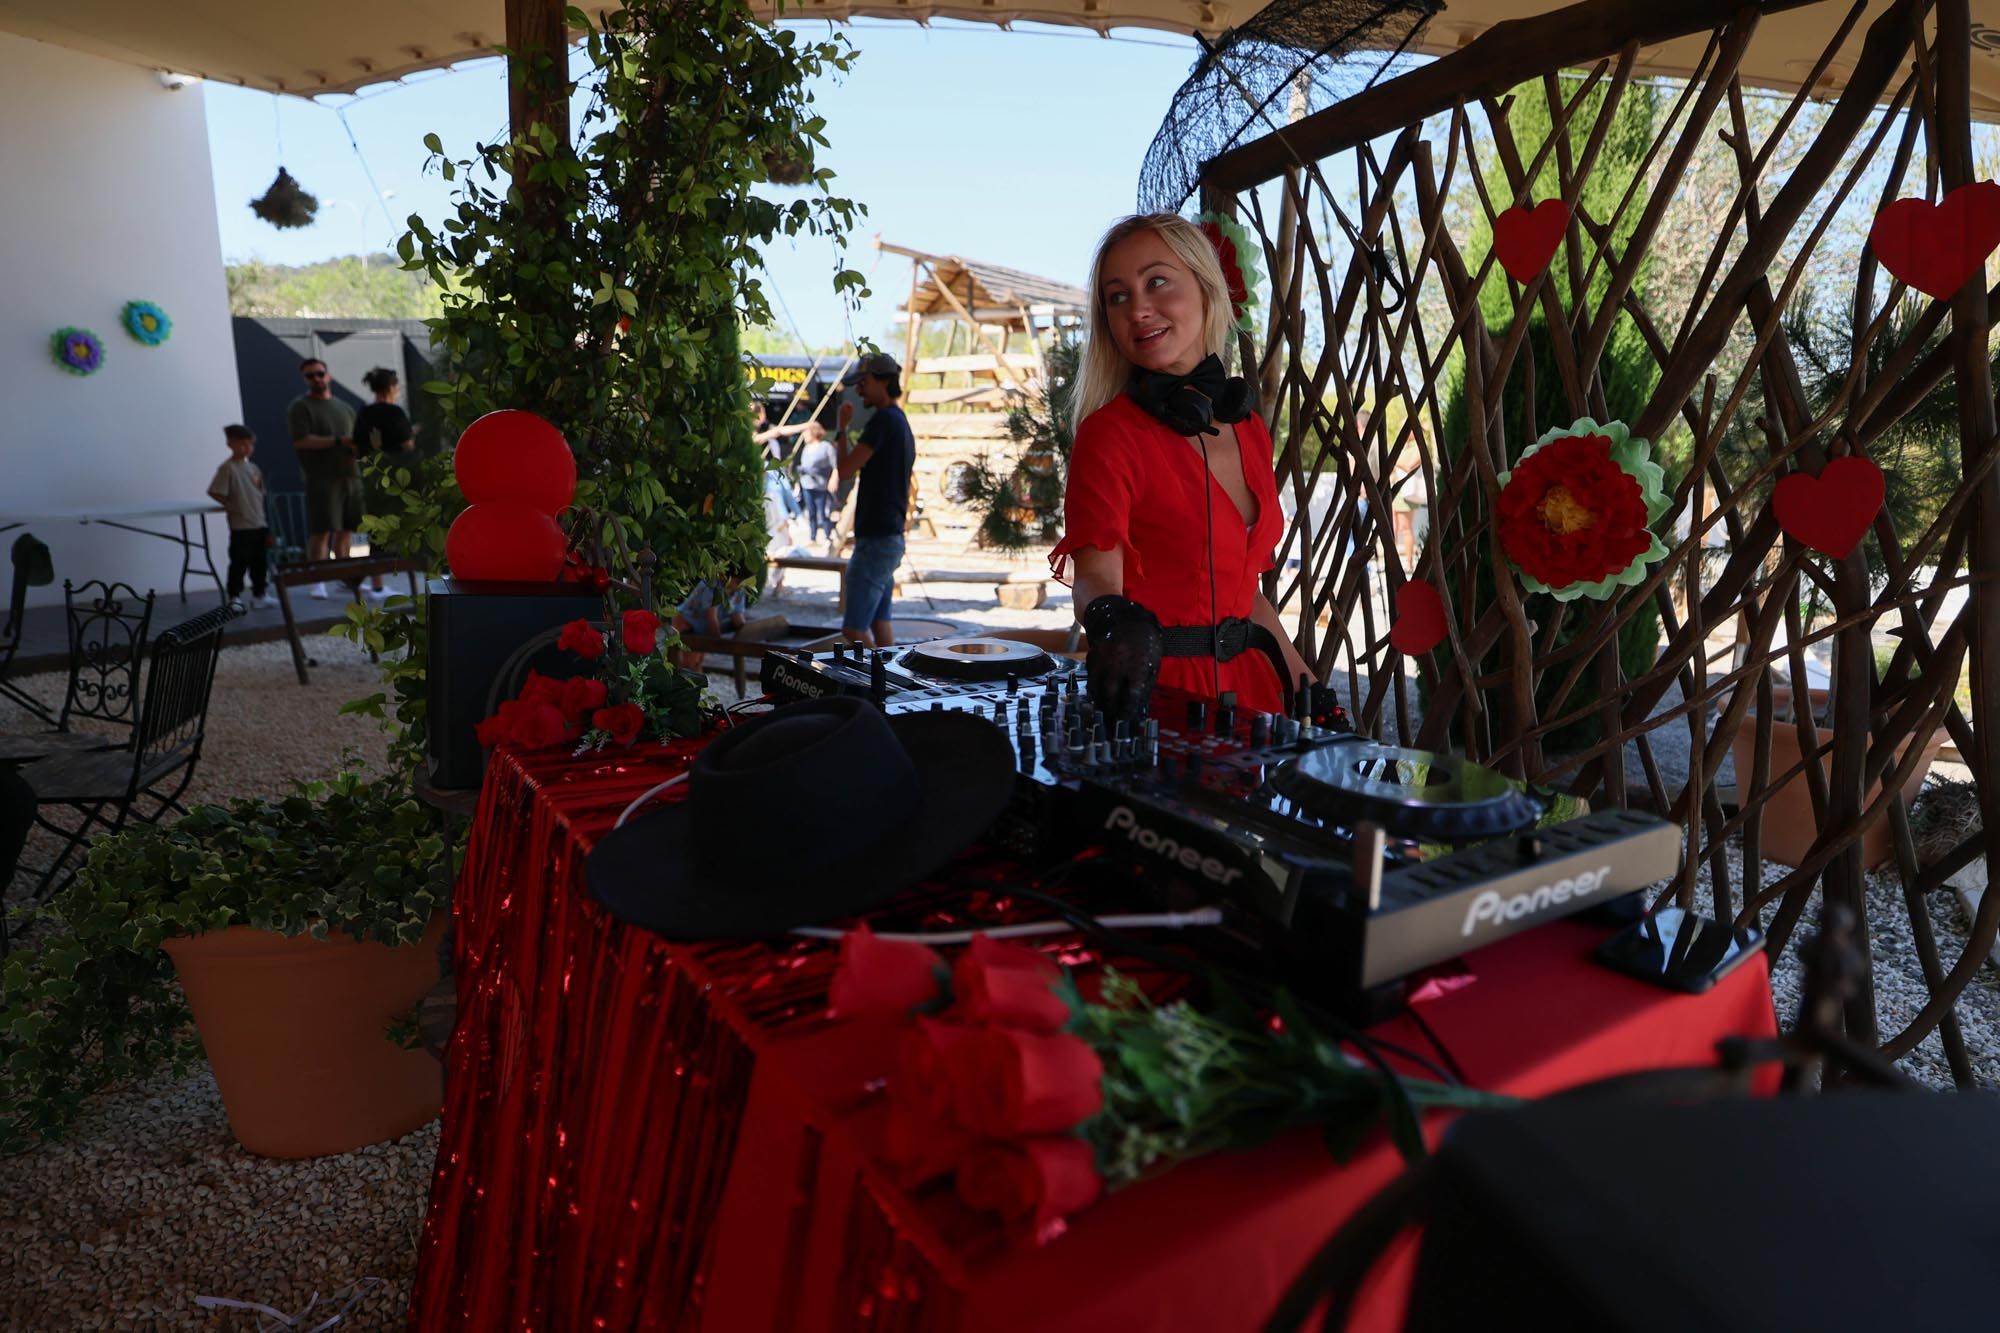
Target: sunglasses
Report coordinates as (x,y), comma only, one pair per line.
(315,374)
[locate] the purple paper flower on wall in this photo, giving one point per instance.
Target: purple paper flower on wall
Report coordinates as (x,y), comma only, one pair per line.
(79,351)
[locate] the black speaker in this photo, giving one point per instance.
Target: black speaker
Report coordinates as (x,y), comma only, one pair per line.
(477,631)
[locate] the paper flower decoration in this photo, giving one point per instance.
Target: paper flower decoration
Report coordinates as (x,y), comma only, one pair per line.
(1575,513)
(146,322)
(1238,253)
(79,351)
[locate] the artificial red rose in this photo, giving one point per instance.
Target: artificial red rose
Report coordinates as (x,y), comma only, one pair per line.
(1036,1182)
(1006,1083)
(582,696)
(540,689)
(623,721)
(883,977)
(922,1146)
(582,638)
(600,578)
(640,630)
(1569,514)
(499,728)
(997,982)
(922,1052)
(537,725)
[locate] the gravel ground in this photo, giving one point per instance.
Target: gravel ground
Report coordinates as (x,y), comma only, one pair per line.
(150,1203)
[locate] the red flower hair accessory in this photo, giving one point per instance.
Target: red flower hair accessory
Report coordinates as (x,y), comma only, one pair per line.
(1237,251)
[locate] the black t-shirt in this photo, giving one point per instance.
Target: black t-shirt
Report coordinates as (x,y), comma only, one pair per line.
(882,505)
(383,426)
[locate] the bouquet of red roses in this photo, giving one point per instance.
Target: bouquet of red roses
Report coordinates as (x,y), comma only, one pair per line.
(632,692)
(1036,1100)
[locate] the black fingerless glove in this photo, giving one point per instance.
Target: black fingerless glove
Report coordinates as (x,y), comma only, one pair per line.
(1124,657)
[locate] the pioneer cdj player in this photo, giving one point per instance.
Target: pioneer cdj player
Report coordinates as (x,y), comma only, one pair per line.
(1344,863)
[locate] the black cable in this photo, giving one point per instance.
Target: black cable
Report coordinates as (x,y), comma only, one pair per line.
(1437,1043)
(1214,625)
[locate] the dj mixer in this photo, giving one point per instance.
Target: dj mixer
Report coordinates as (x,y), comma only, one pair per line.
(1344,863)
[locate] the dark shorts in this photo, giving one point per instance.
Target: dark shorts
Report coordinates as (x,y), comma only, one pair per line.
(333,506)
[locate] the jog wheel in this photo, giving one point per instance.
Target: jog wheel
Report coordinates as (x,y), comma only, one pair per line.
(978,659)
(1418,795)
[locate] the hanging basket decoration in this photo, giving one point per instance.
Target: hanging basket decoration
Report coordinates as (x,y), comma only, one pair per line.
(146,322)
(789,164)
(1238,253)
(79,351)
(1575,513)
(286,204)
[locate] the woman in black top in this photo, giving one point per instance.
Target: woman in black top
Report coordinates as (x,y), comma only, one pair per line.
(381,427)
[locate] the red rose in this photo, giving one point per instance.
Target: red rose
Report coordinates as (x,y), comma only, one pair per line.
(1037,1181)
(921,1146)
(1232,265)
(640,630)
(537,725)
(581,696)
(582,638)
(1006,1083)
(540,689)
(922,1053)
(1569,514)
(996,982)
(623,721)
(498,729)
(883,977)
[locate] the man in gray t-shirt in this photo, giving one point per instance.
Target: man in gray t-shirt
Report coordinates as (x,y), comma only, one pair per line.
(322,430)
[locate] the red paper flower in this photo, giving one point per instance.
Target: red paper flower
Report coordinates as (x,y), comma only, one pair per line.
(1006,1083)
(883,977)
(1569,514)
(582,696)
(640,630)
(1037,1182)
(623,721)
(536,725)
(921,1055)
(1008,984)
(582,638)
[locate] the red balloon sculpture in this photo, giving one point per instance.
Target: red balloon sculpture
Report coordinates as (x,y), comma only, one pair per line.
(518,473)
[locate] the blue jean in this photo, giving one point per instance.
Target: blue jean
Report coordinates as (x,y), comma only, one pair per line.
(819,511)
(871,580)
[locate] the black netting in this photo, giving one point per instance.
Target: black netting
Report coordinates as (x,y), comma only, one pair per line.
(1293,58)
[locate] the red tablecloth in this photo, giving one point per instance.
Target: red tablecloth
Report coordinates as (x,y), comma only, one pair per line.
(649,1135)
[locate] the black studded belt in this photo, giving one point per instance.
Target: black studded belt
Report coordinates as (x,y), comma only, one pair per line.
(1222,641)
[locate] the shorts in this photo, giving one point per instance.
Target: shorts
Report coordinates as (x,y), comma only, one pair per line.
(333,506)
(871,580)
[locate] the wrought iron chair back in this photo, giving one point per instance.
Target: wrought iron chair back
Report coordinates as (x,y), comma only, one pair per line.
(108,625)
(174,714)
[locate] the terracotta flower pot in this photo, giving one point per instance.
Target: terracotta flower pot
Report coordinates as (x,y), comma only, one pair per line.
(294,1029)
(1789,827)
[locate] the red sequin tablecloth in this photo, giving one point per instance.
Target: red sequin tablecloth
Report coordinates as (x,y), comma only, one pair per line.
(645,1135)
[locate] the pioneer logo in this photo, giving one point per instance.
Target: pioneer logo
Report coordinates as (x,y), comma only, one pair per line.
(1187,858)
(809,687)
(1490,909)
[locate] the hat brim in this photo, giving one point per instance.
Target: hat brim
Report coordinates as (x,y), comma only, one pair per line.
(644,873)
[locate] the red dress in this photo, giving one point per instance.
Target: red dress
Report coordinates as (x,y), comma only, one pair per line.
(1135,484)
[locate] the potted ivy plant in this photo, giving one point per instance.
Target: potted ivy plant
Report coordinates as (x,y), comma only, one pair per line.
(299,931)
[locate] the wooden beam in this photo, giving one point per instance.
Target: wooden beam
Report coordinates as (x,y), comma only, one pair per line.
(1505,55)
(537,87)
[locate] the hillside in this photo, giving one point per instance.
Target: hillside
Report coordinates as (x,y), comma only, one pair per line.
(351,287)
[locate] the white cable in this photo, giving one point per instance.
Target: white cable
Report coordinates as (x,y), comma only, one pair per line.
(646,796)
(1201,916)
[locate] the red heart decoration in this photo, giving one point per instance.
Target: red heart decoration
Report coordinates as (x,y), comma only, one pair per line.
(1935,248)
(1830,512)
(1524,242)
(1419,623)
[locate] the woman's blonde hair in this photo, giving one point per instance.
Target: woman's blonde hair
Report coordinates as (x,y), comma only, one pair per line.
(1102,370)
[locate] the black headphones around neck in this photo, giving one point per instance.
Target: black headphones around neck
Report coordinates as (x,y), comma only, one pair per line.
(1190,404)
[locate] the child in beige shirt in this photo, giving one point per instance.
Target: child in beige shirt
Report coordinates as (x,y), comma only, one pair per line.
(239,488)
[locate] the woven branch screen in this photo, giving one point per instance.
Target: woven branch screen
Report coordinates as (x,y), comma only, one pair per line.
(1711,289)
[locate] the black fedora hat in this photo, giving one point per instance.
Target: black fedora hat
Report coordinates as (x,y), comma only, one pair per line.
(813,812)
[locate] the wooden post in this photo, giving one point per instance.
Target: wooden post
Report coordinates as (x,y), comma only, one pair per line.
(537,94)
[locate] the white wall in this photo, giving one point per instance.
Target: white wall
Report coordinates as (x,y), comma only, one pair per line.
(106,197)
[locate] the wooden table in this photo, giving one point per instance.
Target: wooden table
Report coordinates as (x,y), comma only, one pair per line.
(350,572)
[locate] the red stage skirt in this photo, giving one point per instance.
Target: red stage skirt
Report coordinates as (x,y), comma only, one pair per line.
(644,1135)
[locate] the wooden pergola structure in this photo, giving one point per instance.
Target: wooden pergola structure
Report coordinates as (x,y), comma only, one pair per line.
(1890,95)
(991,305)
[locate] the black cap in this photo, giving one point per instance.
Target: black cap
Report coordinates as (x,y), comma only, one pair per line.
(879,364)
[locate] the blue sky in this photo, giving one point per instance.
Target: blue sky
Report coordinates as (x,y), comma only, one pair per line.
(1018,148)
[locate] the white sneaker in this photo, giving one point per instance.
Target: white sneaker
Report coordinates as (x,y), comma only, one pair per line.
(318,591)
(378,594)
(268,602)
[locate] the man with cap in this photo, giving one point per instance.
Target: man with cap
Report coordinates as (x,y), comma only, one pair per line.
(884,457)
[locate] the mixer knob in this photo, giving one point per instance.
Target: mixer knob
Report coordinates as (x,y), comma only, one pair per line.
(1197,714)
(1013,683)
(1260,724)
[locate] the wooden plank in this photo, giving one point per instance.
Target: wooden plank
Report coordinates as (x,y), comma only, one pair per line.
(977,363)
(1498,59)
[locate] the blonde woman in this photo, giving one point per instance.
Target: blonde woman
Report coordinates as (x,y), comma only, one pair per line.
(1171,511)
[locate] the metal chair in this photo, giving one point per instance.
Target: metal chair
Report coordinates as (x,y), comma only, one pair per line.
(107,788)
(285,516)
(107,643)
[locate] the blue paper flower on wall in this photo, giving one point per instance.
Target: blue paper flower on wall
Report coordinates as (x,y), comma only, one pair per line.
(79,351)
(147,322)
